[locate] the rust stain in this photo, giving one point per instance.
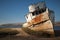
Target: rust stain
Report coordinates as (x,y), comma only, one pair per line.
(37,19)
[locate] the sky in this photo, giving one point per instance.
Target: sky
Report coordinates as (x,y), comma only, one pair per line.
(13,11)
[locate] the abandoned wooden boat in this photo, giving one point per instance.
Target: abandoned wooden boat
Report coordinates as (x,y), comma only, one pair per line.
(40,18)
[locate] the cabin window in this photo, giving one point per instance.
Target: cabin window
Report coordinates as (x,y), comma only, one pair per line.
(35,13)
(38,12)
(42,10)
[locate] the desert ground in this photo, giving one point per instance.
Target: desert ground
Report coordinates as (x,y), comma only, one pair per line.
(19,34)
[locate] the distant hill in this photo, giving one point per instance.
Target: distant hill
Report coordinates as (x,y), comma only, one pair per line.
(15,25)
(19,25)
(57,23)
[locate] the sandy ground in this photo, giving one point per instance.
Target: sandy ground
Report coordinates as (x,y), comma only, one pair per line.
(24,36)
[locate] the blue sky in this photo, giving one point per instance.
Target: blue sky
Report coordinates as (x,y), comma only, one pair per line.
(13,11)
